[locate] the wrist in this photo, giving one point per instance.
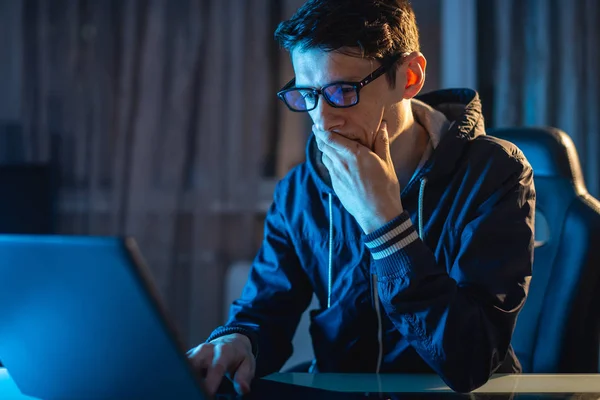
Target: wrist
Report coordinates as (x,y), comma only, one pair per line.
(378,220)
(244,340)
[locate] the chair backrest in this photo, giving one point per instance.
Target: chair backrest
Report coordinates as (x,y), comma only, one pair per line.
(558,329)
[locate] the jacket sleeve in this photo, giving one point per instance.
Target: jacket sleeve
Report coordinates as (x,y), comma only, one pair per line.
(276,294)
(460,318)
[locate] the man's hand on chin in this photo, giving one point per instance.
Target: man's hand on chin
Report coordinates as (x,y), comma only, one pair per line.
(365,181)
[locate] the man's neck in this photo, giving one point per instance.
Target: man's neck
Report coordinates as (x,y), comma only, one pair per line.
(407,150)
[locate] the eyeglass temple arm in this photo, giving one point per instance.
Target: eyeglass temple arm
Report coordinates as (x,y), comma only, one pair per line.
(379,71)
(288,85)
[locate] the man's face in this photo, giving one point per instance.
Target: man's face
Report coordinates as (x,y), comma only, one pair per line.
(316,68)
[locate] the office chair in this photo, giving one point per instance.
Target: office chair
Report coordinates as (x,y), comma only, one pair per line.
(558,330)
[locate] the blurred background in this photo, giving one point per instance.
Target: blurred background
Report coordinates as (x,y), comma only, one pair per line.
(158,118)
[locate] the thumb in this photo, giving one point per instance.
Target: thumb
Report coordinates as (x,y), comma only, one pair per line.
(382,143)
(243,377)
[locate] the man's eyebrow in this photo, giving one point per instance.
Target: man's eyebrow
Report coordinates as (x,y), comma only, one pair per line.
(353,78)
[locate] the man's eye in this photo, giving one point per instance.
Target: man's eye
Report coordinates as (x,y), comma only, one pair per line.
(308,95)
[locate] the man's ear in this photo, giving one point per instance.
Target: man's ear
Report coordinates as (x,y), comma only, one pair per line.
(414,74)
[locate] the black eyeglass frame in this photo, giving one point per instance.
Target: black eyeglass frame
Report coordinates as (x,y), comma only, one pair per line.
(288,87)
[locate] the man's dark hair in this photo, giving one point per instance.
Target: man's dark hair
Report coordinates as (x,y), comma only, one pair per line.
(379,29)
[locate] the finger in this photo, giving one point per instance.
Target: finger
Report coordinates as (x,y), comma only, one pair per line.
(335,141)
(326,160)
(201,357)
(334,161)
(382,143)
(218,368)
(243,377)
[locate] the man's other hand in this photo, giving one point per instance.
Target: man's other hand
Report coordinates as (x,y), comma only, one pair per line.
(229,356)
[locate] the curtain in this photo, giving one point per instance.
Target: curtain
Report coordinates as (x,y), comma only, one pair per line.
(547,71)
(162,119)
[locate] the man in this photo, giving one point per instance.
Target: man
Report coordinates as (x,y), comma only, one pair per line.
(413,228)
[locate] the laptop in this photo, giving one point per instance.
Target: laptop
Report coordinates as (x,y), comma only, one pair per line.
(80,317)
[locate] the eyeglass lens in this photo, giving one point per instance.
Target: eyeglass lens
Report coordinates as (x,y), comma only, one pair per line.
(338,95)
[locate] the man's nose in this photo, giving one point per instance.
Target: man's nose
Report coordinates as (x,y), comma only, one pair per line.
(326,117)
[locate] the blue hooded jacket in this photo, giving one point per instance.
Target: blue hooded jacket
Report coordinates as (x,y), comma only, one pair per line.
(438,289)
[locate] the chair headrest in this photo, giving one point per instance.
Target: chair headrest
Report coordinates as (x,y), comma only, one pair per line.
(550,151)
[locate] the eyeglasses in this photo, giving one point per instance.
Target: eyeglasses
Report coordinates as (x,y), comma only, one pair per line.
(337,94)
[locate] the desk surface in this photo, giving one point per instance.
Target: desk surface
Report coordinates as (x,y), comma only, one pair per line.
(543,386)
(392,383)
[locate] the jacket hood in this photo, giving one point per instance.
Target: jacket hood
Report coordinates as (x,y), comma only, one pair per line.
(462,107)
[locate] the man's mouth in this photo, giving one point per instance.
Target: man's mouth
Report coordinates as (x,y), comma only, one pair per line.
(351,138)
(354,139)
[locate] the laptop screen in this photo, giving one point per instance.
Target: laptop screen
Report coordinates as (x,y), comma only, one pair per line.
(81,318)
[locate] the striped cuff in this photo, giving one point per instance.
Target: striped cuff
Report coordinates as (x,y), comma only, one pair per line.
(392,237)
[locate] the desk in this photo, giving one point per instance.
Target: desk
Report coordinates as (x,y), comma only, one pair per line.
(356,386)
(392,383)
(526,386)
